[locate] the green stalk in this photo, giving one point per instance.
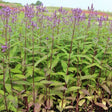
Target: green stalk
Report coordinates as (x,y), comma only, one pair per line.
(24,69)
(33,71)
(73,32)
(77,98)
(9,67)
(51,61)
(5,98)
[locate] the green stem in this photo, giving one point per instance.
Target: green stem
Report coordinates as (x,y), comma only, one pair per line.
(9,67)
(5,99)
(71,47)
(33,71)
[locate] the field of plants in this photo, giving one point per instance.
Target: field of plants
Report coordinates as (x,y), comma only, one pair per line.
(55,62)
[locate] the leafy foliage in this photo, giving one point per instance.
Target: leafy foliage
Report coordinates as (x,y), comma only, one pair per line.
(55,62)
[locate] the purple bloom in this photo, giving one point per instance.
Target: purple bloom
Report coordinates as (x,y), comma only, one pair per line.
(4,47)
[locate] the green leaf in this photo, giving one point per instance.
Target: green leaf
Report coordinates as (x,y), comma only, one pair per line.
(90,77)
(64,65)
(90,98)
(55,62)
(105,87)
(86,49)
(56,83)
(13,51)
(16,71)
(67,78)
(46,82)
(72,69)
(42,59)
(18,76)
(84,56)
(81,102)
(101,105)
(8,88)
(21,82)
(69,107)
(1,92)
(74,88)
(1,77)
(61,88)
(39,79)
(80,38)
(94,64)
(2,107)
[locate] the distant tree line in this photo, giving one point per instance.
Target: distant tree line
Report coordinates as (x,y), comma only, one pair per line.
(37,3)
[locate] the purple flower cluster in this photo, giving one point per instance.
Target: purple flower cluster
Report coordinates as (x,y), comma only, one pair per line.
(91,9)
(62,11)
(100,20)
(4,47)
(6,11)
(33,24)
(77,14)
(29,12)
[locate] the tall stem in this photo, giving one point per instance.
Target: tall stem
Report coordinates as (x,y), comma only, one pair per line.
(9,67)
(4,86)
(33,70)
(24,69)
(51,61)
(69,56)
(73,32)
(77,99)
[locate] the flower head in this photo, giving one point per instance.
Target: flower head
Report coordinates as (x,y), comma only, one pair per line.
(4,47)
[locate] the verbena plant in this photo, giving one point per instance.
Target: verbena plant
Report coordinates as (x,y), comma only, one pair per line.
(55,62)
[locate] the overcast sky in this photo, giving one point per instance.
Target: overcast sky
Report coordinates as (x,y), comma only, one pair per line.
(103,5)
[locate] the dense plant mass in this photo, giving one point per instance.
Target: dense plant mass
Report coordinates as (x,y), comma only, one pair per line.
(55,62)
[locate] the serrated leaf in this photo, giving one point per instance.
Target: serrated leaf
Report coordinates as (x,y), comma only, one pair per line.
(8,88)
(56,83)
(16,71)
(104,102)
(72,69)
(19,76)
(69,107)
(91,77)
(90,98)
(81,102)
(74,88)
(21,82)
(101,105)
(61,88)
(86,92)
(42,59)
(13,51)
(81,37)
(84,56)
(39,79)
(1,92)
(1,77)
(106,88)
(46,82)
(94,64)
(55,62)
(64,65)
(67,78)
